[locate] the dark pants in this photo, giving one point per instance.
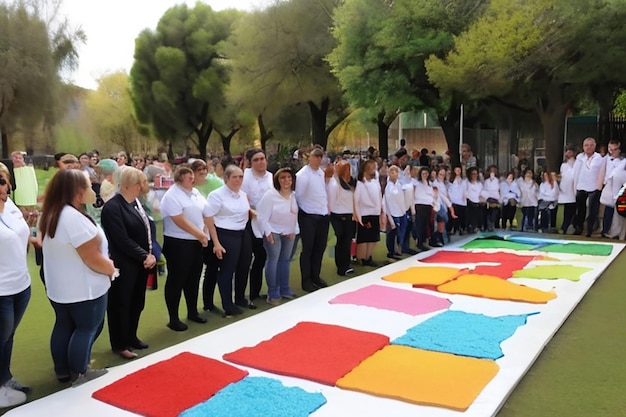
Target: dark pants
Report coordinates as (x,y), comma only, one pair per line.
(184,266)
(529,219)
(127,298)
(233,241)
(475,216)
(607,219)
(209,281)
(569,210)
(343,225)
(251,252)
(458,224)
(548,218)
(314,236)
(508,214)
(422,221)
(76,328)
(395,236)
(12,308)
(581,210)
(405,243)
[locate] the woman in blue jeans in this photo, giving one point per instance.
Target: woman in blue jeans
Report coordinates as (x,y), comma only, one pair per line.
(278,216)
(14,287)
(78,274)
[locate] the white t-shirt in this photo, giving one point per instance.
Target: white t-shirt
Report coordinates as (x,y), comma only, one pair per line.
(340,200)
(229,210)
(14,276)
(277,214)
(178,201)
(368,198)
(567,191)
(311,191)
(68,279)
(256,187)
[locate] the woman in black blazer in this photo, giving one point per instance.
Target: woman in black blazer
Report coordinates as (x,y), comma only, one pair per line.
(127,227)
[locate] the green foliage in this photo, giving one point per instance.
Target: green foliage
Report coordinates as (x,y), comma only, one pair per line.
(620,104)
(179,73)
(277,55)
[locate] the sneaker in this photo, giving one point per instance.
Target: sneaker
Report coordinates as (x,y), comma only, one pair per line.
(88,376)
(233,311)
(273,301)
(15,384)
(349,271)
(10,397)
(289,296)
(410,251)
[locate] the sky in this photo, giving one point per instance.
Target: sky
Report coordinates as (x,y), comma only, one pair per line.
(111,27)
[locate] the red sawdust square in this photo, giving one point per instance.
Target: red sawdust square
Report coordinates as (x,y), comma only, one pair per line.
(169,387)
(318,352)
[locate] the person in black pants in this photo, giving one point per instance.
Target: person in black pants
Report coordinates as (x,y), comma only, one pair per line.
(313,219)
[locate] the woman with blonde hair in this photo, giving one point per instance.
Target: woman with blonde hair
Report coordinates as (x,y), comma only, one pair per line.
(72,241)
(127,227)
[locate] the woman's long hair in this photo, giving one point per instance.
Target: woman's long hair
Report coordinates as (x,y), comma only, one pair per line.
(60,192)
(343,175)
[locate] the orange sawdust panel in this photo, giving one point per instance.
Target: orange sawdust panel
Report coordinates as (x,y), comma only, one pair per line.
(493,287)
(421,377)
(425,275)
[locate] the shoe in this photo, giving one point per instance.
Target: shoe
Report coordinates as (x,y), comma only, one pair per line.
(177,326)
(320,283)
(309,287)
(10,397)
(138,344)
(241,303)
(197,319)
(208,308)
(393,256)
(369,262)
(273,301)
(64,378)
(88,376)
(410,252)
(423,248)
(15,384)
(230,312)
(578,231)
(461,232)
(349,271)
(126,354)
(289,296)
(251,306)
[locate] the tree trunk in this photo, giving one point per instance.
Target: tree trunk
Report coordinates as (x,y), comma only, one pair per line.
(450,124)
(264,133)
(203,139)
(226,139)
(383,135)
(5,142)
(552,110)
(318,122)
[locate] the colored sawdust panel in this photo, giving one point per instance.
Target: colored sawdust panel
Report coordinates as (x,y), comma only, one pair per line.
(496,244)
(393,299)
(258,396)
(573,273)
(319,352)
(504,270)
(424,275)
(421,377)
(595,249)
(468,257)
(495,288)
(171,386)
(462,333)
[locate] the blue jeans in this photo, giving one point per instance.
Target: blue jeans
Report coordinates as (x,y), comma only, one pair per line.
(396,234)
(12,309)
(277,265)
(75,330)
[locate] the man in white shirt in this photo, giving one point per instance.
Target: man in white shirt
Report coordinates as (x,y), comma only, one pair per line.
(613,161)
(256,181)
(313,218)
(588,178)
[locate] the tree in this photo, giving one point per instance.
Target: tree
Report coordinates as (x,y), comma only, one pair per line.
(179,73)
(33,50)
(381,51)
(111,112)
(540,53)
(278,61)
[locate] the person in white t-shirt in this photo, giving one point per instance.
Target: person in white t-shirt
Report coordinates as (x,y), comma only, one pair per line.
(588,179)
(183,240)
(78,273)
(14,287)
(277,213)
(567,192)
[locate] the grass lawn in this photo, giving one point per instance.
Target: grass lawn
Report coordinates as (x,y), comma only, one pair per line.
(580,373)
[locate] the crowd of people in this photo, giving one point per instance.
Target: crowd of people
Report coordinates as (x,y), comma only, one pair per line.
(228,225)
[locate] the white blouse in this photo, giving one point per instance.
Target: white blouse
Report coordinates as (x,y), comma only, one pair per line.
(277,214)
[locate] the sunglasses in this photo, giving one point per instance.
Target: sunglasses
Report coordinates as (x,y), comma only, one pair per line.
(3,181)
